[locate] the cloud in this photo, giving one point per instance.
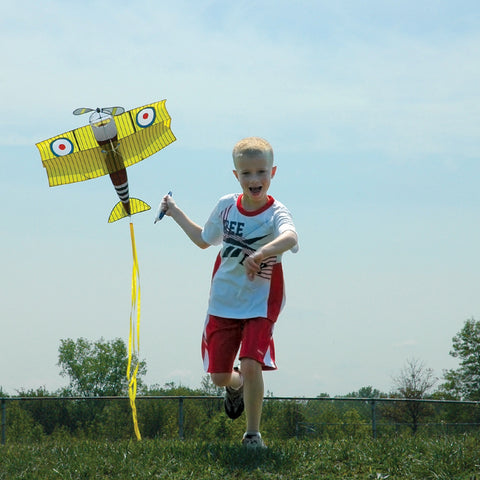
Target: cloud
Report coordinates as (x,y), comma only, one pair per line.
(240,69)
(408,343)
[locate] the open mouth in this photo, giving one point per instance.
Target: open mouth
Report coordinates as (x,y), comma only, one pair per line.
(255,190)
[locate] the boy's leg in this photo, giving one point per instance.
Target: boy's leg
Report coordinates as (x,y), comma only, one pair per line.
(233,379)
(253,390)
(257,353)
(220,343)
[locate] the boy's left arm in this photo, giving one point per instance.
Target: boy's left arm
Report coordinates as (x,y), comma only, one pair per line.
(285,241)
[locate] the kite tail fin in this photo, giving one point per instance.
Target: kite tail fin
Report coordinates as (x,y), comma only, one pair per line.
(136,206)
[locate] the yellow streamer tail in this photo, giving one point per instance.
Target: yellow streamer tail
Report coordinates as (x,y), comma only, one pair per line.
(134,336)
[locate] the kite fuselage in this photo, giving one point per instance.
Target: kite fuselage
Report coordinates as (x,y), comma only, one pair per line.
(105,132)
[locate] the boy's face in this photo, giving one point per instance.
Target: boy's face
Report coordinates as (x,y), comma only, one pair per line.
(254,172)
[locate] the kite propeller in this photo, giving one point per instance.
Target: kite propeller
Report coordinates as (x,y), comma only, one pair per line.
(113,110)
(108,110)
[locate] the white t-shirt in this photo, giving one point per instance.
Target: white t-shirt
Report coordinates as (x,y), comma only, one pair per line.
(232,294)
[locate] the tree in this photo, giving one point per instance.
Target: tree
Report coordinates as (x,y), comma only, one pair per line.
(415,379)
(413,383)
(48,414)
(367,392)
(464,382)
(96,368)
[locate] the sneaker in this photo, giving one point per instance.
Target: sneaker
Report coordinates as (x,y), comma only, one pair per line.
(233,402)
(253,440)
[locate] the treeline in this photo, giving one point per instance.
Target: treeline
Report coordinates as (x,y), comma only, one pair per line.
(33,419)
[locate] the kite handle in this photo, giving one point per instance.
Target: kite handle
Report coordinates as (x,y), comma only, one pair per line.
(160,213)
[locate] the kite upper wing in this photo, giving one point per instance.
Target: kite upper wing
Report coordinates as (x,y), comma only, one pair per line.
(75,156)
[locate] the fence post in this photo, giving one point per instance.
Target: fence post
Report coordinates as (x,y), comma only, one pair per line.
(374,418)
(180,418)
(4,421)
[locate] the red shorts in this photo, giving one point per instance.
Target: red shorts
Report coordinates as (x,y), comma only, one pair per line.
(223,338)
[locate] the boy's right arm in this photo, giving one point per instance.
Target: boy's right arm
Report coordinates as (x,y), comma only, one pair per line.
(193,231)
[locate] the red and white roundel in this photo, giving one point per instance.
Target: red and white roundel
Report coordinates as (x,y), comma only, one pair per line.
(145,117)
(61,147)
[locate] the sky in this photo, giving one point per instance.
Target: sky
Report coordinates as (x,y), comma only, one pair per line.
(372,110)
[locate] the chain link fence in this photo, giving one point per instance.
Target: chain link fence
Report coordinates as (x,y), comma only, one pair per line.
(32,418)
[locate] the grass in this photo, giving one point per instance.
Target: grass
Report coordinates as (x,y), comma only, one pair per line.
(446,458)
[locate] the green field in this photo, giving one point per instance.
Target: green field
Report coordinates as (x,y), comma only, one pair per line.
(448,458)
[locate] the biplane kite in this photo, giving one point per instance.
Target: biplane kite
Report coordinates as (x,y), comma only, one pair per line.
(113,141)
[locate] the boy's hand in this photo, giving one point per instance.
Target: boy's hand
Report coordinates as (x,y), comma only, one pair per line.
(167,205)
(252,264)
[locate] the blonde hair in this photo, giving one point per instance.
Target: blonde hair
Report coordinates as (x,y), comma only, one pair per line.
(252,146)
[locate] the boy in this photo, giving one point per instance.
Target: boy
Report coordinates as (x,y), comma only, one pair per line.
(247,290)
